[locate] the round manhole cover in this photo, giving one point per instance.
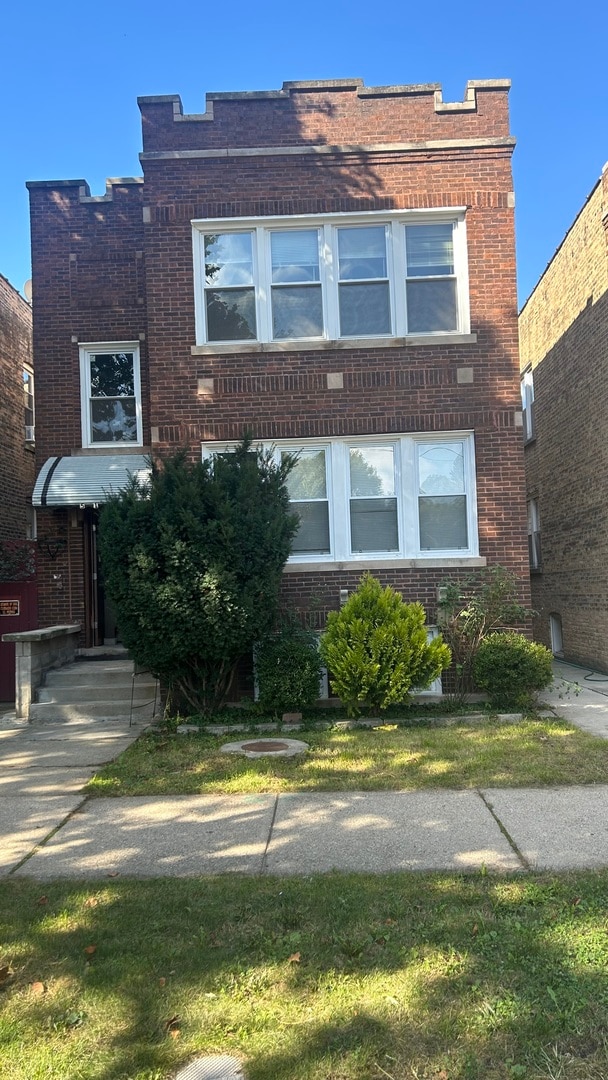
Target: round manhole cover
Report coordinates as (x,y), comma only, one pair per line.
(253,748)
(265,746)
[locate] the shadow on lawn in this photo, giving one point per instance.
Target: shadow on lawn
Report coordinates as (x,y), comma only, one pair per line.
(471,975)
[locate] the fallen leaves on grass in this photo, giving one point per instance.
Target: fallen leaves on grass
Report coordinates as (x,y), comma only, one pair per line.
(38,988)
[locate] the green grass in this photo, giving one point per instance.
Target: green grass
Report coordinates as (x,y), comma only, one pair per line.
(340,977)
(490,754)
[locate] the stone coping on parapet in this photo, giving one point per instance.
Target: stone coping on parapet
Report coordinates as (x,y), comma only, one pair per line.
(469,102)
(84,191)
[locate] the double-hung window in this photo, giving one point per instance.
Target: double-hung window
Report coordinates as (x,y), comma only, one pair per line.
(28,404)
(313,278)
(110,394)
(534,548)
(527,405)
(398,497)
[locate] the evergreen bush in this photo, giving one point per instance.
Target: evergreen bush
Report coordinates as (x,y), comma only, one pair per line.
(376,649)
(193,565)
(288,668)
(511,668)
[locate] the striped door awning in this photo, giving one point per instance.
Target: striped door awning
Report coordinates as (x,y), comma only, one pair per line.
(87,480)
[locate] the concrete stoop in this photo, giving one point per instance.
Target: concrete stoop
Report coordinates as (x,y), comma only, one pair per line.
(100,689)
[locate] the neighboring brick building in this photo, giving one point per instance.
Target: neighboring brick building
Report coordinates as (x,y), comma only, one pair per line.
(16,415)
(564,361)
(329,266)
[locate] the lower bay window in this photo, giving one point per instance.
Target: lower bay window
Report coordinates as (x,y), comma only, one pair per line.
(406,496)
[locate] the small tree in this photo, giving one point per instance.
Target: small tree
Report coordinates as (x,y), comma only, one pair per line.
(193,566)
(376,648)
(471,609)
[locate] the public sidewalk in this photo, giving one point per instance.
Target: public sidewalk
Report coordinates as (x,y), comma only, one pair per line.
(48,828)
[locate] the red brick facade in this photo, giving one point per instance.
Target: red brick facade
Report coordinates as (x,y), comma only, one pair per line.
(120,268)
(564,342)
(16,456)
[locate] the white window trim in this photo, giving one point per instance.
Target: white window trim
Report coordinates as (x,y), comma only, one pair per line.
(534,536)
(30,429)
(527,405)
(406,488)
(395,220)
(85,350)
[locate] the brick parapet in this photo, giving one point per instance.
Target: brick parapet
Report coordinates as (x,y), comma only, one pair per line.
(338,113)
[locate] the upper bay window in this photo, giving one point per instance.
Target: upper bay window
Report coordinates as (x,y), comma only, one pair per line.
(404,496)
(352,277)
(110,394)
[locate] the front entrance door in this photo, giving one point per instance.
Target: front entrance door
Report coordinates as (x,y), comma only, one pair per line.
(99,614)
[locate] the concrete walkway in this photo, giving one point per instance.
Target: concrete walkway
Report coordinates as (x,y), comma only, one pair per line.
(49,829)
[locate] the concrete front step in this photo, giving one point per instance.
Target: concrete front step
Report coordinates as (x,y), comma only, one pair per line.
(99,710)
(87,693)
(92,672)
(96,689)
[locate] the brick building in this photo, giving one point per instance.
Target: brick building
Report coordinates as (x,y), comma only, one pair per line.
(16,415)
(329,266)
(564,360)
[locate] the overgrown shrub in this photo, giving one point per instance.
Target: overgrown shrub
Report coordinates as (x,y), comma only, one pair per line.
(288,668)
(376,649)
(511,668)
(193,566)
(471,609)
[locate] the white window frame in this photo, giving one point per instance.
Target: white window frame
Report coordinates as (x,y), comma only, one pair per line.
(86,350)
(327,226)
(29,394)
(406,488)
(527,405)
(534,538)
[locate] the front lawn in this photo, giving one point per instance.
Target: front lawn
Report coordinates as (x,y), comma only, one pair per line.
(489,754)
(340,977)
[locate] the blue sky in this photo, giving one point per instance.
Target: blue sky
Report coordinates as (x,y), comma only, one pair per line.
(70,74)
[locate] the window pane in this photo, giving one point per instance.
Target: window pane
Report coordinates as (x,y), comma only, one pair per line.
(373,525)
(307,478)
(364,310)
(228,259)
(431,305)
(372,470)
(113,421)
(441,469)
(297,312)
(443,523)
(295,256)
(362,253)
(312,537)
(112,375)
(231,315)
(430,250)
